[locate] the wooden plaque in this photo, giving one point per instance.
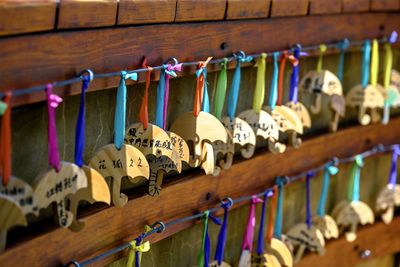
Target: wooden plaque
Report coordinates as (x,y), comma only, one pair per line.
(215,264)
(223,154)
(265,260)
(321,82)
(242,134)
(327,225)
(281,251)
(301,112)
(180,146)
(387,200)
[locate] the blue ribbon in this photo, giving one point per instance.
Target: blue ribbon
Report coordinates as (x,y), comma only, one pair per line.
(358,163)
(279,209)
(261,230)
(343,45)
(309,175)
(219,252)
(294,78)
(160,98)
(273,93)
(80,125)
(393,167)
(205,106)
(328,171)
(120,109)
(365,63)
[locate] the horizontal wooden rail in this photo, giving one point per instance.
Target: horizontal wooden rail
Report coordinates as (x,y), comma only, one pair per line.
(109,227)
(33,60)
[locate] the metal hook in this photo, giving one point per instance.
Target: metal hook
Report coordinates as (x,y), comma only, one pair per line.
(75,263)
(173,60)
(227,201)
(88,71)
(157,225)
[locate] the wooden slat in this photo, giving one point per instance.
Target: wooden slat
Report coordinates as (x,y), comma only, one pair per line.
(195,10)
(318,7)
(87,13)
(350,6)
(381,239)
(106,50)
(286,8)
(111,226)
(247,9)
(26,16)
(145,11)
(385,5)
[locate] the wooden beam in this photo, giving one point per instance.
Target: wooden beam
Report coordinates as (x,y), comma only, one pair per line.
(353,6)
(195,10)
(26,16)
(385,5)
(287,8)
(111,226)
(32,60)
(248,9)
(145,11)
(87,14)
(381,239)
(319,7)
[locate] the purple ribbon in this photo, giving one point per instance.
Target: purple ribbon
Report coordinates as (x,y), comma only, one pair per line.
(294,78)
(308,198)
(169,71)
(52,103)
(251,223)
(219,252)
(393,168)
(261,230)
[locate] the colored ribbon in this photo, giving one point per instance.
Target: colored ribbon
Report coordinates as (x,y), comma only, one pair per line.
(354,183)
(204,254)
(144,110)
(120,109)
(273,93)
(391,96)
(5,157)
(374,62)
(200,83)
(170,71)
(258,99)
(251,223)
(272,212)
(328,171)
(220,91)
(205,106)
(235,86)
(279,209)
(309,175)
(393,168)
(80,125)
(294,78)
(322,50)
(219,252)
(366,49)
(285,56)
(52,103)
(159,121)
(260,241)
(343,45)
(135,252)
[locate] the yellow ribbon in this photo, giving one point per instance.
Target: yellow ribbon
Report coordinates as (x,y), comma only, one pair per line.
(374,62)
(144,247)
(322,50)
(259,91)
(388,64)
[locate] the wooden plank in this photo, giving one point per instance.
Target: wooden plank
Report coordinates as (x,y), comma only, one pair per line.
(381,239)
(184,196)
(87,14)
(26,16)
(248,9)
(318,7)
(352,6)
(385,5)
(144,11)
(107,50)
(195,10)
(287,8)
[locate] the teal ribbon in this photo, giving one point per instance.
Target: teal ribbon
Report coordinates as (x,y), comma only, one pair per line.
(160,98)
(279,209)
(343,45)
(205,106)
(273,93)
(354,184)
(120,109)
(365,63)
(328,171)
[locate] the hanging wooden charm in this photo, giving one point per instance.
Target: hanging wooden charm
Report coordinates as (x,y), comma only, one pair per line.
(348,214)
(367,96)
(298,107)
(242,134)
(261,122)
(305,235)
(97,189)
(322,221)
(64,178)
(200,129)
(389,197)
(119,160)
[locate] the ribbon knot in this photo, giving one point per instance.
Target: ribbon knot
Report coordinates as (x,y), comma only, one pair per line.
(201,100)
(54,100)
(241,57)
(171,69)
(137,248)
(131,76)
(359,160)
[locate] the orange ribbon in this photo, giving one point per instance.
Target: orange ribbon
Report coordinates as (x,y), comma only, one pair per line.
(198,97)
(5,157)
(272,212)
(285,56)
(144,113)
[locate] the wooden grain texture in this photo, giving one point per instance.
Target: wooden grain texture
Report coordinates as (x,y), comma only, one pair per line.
(287,8)
(247,9)
(387,5)
(87,13)
(380,238)
(195,10)
(106,50)
(110,227)
(351,6)
(144,11)
(26,16)
(318,7)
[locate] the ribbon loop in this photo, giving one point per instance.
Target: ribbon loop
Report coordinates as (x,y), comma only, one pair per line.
(309,175)
(279,208)
(144,111)
(258,99)
(343,45)
(294,61)
(273,94)
(219,252)
(366,50)
(220,91)
(5,156)
(52,103)
(260,241)
(329,170)
(354,183)
(135,250)
(374,62)
(272,212)
(393,167)
(201,85)
(251,223)
(322,50)
(170,71)
(204,254)
(294,78)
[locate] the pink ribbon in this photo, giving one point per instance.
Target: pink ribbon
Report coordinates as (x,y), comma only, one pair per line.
(169,71)
(251,223)
(52,103)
